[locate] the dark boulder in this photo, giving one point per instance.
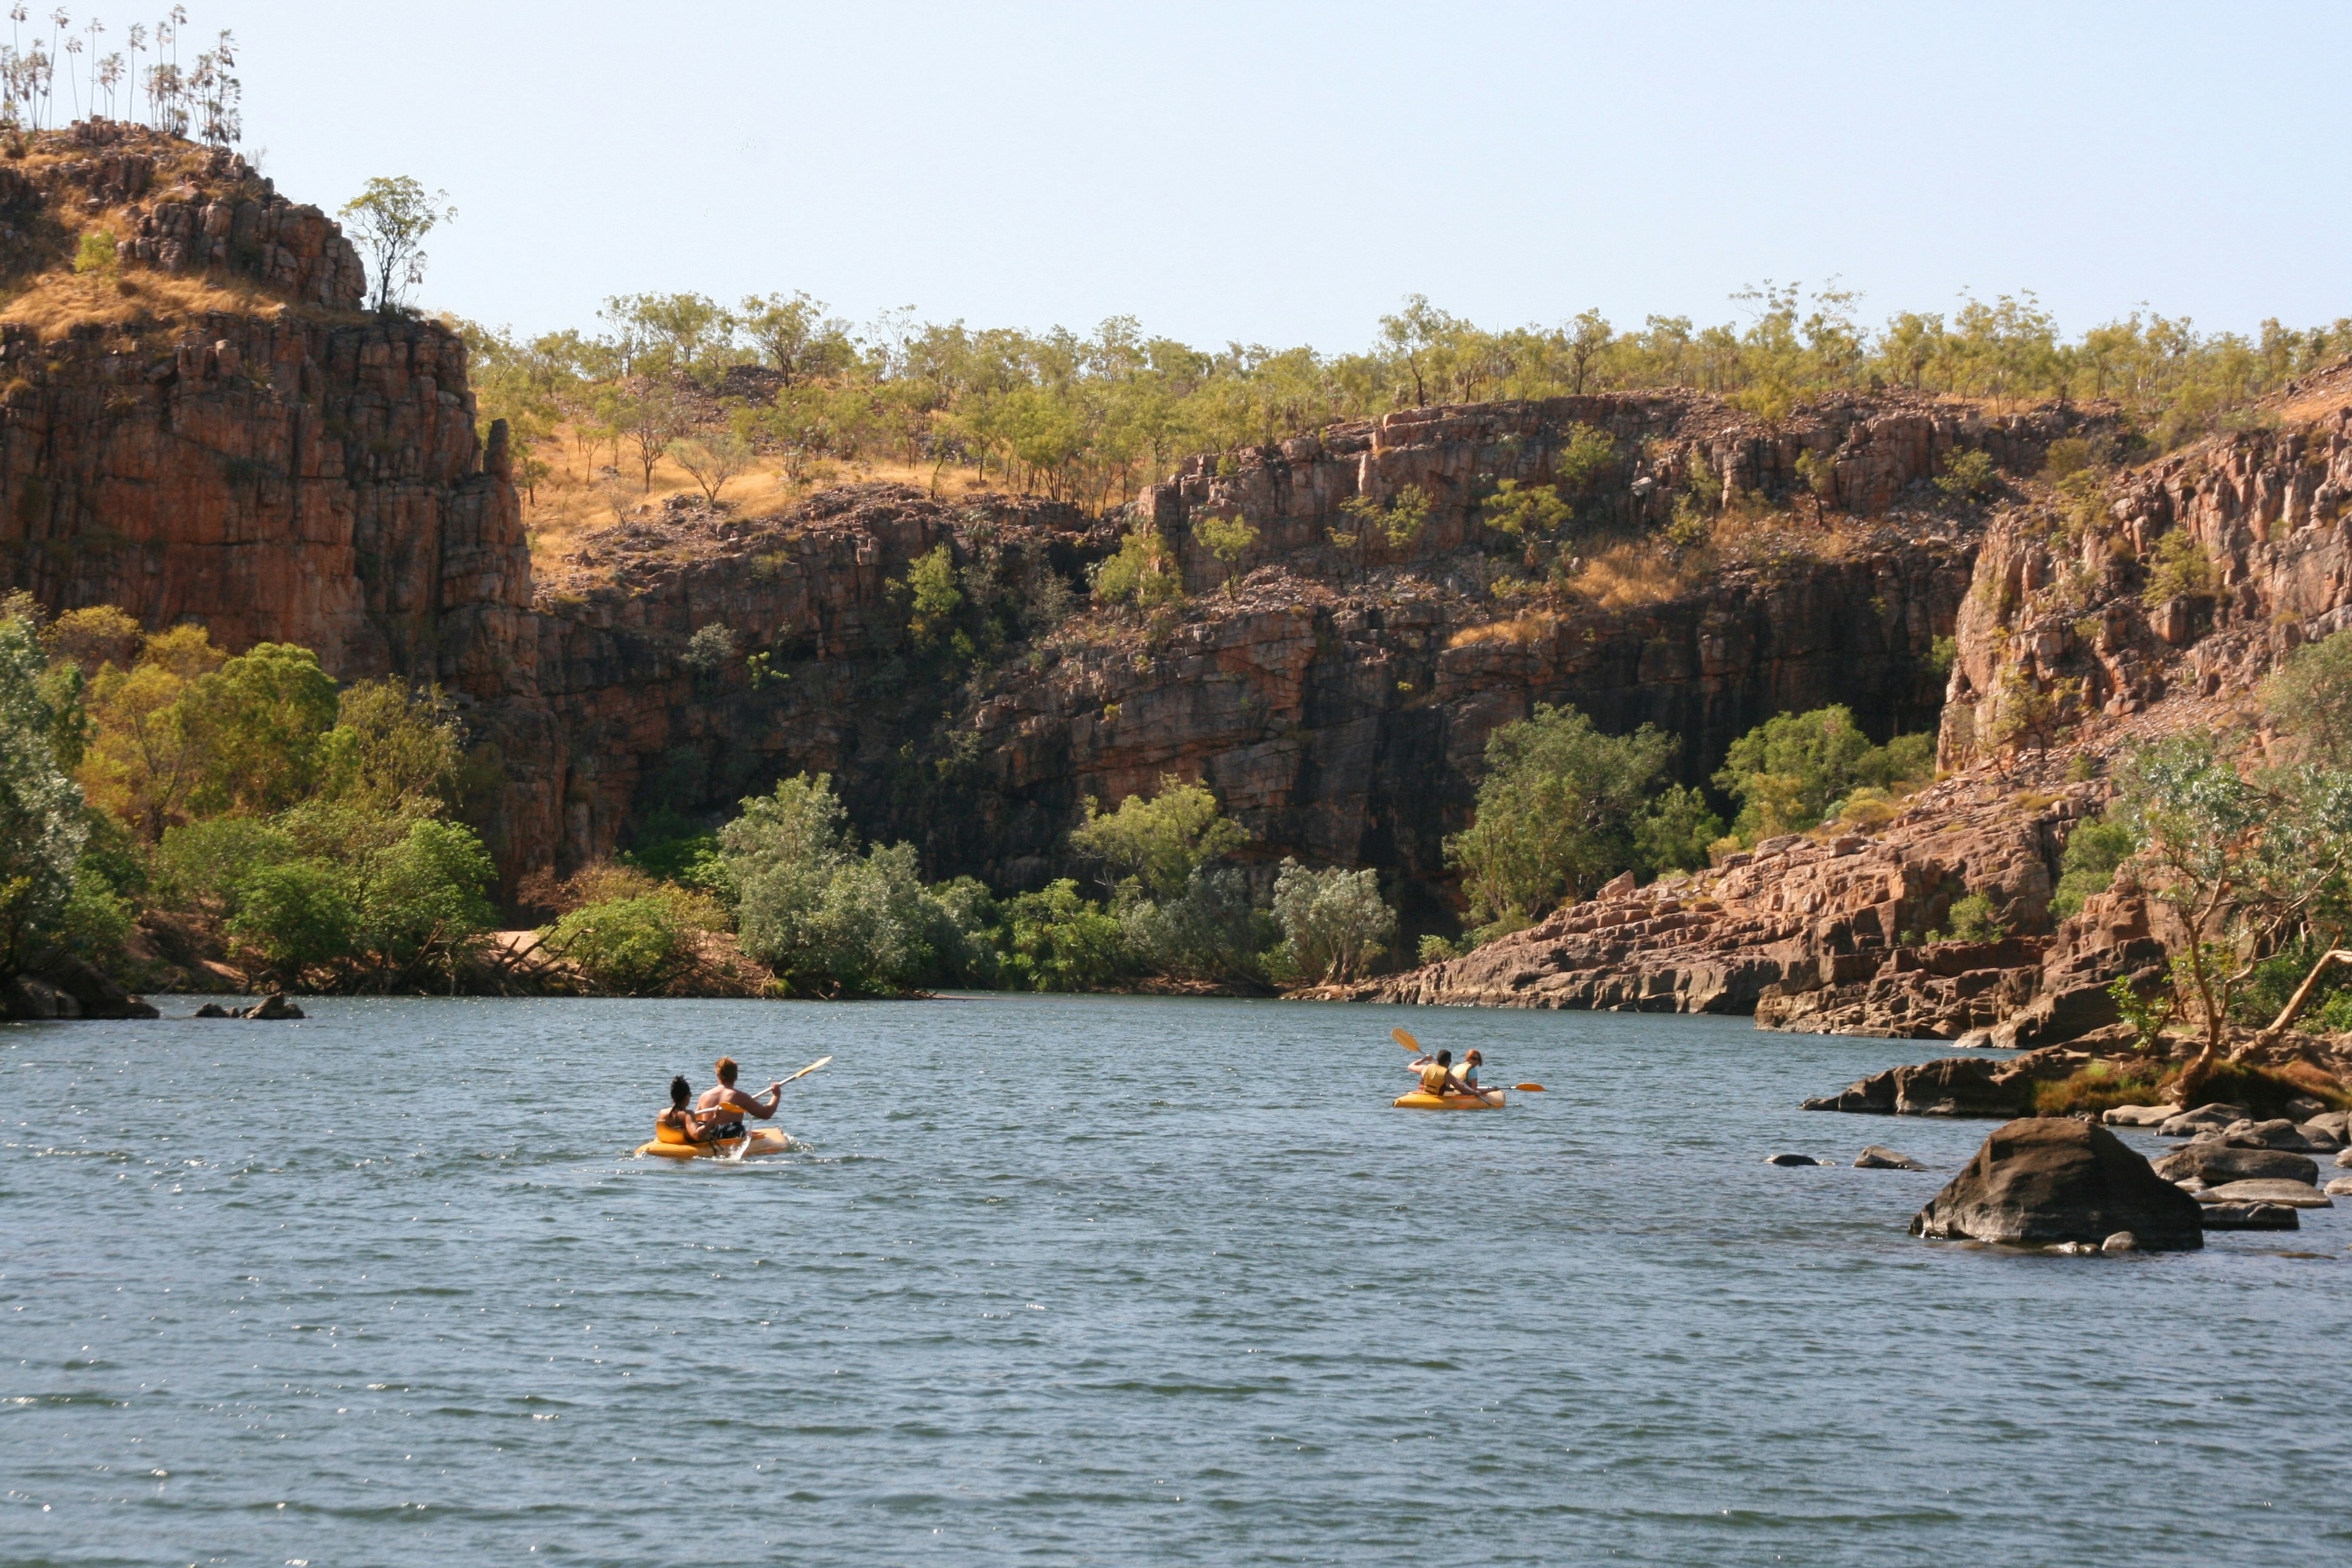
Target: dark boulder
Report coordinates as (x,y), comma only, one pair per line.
(61,986)
(211,1010)
(1961,1086)
(1873,1095)
(273,1006)
(1949,1086)
(2212,1162)
(2047,1179)
(2251,1216)
(1790,1160)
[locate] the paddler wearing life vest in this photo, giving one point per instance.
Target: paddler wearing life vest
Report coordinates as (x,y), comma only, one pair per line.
(1437,1075)
(690,1126)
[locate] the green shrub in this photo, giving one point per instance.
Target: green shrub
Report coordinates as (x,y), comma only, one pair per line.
(1968,475)
(1335,924)
(629,947)
(1143,574)
(201,864)
(1563,808)
(2178,568)
(424,899)
(1972,919)
(1791,771)
(294,916)
(1160,842)
(1058,940)
(1211,931)
(42,829)
(2093,852)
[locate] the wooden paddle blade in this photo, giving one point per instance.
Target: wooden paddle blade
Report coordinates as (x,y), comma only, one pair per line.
(1401,1038)
(1528,1087)
(810,1068)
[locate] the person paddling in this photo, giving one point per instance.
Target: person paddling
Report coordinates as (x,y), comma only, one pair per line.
(1437,1076)
(731,1104)
(690,1126)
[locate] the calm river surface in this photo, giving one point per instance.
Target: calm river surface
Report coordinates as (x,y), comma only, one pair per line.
(1090,1280)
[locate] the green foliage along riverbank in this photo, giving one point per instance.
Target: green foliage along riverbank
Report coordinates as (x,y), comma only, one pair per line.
(183,816)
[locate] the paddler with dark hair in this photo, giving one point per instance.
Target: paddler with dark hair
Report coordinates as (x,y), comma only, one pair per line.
(733,1104)
(1437,1076)
(690,1127)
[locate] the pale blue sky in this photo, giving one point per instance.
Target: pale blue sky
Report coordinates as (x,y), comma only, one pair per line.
(1285,173)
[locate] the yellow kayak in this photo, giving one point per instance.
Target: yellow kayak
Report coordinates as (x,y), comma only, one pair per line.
(1422,1101)
(761,1140)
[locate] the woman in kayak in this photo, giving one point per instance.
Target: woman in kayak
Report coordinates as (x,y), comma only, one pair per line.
(1466,1075)
(692,1127)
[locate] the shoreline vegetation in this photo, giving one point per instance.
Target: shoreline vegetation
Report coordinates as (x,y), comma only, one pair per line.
(180,818)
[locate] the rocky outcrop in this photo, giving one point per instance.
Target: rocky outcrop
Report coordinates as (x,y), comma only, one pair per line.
(1818,933)
(2069,613)
(1950,1085)
(2042,1181)
(60,985)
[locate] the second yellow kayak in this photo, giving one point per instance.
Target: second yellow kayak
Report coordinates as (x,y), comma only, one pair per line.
(763,1141)
(1420,1100)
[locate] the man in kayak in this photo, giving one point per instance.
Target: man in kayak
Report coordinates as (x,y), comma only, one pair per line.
(732,1104)
(1437,1076)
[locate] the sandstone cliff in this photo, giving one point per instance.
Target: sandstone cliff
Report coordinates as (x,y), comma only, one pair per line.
(2066,654)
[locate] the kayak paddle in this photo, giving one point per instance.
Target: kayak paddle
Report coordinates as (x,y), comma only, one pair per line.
(805,1071)
(1407,1041)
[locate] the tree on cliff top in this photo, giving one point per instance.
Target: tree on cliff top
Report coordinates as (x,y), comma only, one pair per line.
(389,220)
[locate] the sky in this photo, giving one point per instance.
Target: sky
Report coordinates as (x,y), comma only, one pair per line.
(1284,174)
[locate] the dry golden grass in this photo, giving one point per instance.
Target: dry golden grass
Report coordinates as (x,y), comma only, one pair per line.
(135,299)
(568,502)
(1519,631)
(1630,575)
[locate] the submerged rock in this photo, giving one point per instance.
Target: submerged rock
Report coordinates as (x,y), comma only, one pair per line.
(2138,1115)
(273,1006)
(211,1010)
(2294,1194)
(2122,1241)
(1790,1160)
(2251,1216)
(2046,1179)
(1878,1157)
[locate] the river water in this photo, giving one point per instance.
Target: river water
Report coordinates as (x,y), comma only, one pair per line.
(1090,1280)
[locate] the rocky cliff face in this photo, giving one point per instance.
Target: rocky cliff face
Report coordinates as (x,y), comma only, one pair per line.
(1339,706)
(2066,655)
(2072,624)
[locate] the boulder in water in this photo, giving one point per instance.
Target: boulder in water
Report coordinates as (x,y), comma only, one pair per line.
(2251,1216)
(1879,1157)
(2204,1118)
(2042,1180)
(2212,1162)
(1790,1160)
(2138,1115)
